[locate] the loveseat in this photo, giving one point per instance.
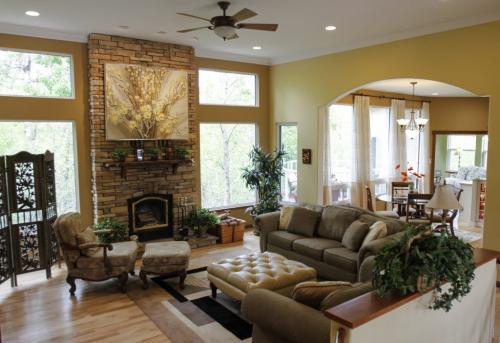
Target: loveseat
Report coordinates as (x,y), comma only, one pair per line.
(321,243)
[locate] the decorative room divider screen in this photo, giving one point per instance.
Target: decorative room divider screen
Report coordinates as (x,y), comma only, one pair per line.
(27,212)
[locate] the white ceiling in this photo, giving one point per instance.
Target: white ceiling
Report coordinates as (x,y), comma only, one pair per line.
(300,34)
(426,88)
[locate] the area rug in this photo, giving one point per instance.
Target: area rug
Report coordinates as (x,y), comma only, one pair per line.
(214,320)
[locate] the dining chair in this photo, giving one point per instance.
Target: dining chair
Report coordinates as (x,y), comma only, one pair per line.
(399,193)
(369,205)
(420,214)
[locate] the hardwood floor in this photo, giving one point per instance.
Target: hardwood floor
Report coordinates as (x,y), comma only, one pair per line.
(41,310)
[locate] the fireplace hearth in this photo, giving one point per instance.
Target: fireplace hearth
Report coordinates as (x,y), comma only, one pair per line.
(151,216)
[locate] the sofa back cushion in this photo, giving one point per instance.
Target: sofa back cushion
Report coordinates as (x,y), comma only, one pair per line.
(354,235)
(303,221)
(393,225)
(335,220)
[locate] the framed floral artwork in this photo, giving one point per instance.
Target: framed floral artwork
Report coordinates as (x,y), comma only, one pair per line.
(146,103)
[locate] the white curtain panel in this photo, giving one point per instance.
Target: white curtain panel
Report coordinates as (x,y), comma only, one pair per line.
(361,156)
(324,165)
(425,159)
(397,140)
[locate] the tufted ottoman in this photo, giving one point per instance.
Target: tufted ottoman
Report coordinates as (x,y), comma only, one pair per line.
(165,258)
(235,277)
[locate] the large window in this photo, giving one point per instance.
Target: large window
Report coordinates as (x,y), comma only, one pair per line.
(36,138)
(461,151)
(287,141)
(227,88)
(224,150)
(35,74)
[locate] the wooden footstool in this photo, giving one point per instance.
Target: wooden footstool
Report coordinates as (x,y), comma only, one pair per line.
(165,258)
(235,277)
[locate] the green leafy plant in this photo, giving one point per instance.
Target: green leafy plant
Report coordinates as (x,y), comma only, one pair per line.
(182,153)
(264,175)
(153,153)
(201,219)
(109,230)
(423,259)
(119,154)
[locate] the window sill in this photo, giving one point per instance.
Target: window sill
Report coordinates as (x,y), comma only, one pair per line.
(231,207)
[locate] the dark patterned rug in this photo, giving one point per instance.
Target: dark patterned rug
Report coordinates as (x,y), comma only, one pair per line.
(195,303)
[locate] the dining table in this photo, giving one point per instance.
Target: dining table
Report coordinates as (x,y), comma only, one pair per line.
(401,202)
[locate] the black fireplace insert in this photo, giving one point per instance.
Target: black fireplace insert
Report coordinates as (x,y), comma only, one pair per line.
(151,216)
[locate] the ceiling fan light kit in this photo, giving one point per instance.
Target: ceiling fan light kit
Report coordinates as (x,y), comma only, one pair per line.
(225,26)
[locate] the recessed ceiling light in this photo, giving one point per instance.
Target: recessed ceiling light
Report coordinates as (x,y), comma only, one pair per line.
(330,28)
(32,13)
(124,27)
(161,32)
(435,93)
(257,47)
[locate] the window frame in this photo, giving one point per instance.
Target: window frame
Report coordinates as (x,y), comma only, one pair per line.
(226,71)
(75,149)
(279,125)
(257,143)
(53,53)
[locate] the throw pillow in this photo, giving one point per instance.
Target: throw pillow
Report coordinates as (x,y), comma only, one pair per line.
(355,234)
(377,230)
(312,293)
(87,236)
(303,221)
(342,295)
(285,215)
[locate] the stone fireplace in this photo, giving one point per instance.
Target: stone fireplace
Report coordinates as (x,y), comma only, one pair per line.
(113,186)
(151,216)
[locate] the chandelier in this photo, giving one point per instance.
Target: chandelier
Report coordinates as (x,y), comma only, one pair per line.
(412,126)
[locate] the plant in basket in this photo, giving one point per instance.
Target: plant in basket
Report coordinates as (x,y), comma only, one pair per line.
(154,153)
(424,259)
(201,219)
(110,230)
(119,154)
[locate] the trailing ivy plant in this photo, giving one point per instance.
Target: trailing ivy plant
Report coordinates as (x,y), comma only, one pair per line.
(264,175)
(423,259)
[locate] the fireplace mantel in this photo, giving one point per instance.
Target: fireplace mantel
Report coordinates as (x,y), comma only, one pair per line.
(173,164)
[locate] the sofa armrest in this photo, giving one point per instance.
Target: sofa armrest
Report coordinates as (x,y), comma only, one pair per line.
(264,224)
(284,319)
(375,246)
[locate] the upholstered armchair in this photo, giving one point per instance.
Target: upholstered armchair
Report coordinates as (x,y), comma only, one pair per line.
(90,260)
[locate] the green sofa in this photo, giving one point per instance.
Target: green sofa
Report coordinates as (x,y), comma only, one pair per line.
(324,251)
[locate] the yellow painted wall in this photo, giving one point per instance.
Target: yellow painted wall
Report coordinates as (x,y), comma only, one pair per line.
(467,58)
(238,114)
(459,114)
(24,108)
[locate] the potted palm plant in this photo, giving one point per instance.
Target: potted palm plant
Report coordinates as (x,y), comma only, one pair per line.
(264,176)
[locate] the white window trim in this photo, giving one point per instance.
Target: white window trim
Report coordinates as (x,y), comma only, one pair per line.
(257,140)
(75,149)
(279,125)
(257,98)
(71,79)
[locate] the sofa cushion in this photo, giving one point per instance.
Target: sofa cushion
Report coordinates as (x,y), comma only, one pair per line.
(377,230)
(285,215)
(303,221)
(335,220)
(312,293)
(122,255)
(342,295)
(393,225)
(342,258)
(87,236)
(282,239)
(354,235)
(313,247)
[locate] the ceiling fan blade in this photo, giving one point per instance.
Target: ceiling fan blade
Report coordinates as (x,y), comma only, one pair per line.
(234,36)
(194,29)
(264,27)
(243,15)
(194,16)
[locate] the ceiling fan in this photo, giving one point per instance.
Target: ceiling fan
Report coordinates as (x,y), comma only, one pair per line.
(225,26)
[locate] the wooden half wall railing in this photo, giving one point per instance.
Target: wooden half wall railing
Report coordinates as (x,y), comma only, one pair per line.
(354,313)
